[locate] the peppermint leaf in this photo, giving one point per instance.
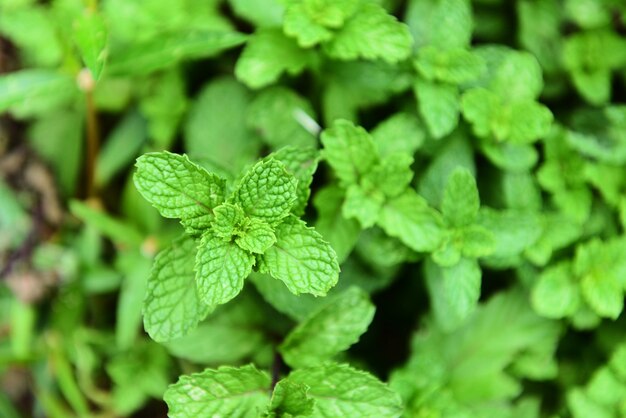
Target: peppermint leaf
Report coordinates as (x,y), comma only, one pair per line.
(224,392)
(301,163)
(555,294)
(221,268)
(454,291)
(90,35)
(267,55)
(300,25)
(438,105)
(329,331)
(454,66)
(349,150)
(302,259)
(339,387)
(291,399)
(371,33)
(172,306)
(227,221)
(257,236)
(179,188)
(267,191)
(460,202)
(363,206)
(409,218)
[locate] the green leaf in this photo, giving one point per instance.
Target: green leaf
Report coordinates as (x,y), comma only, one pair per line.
(224,392)
(267,191)
(371,33)
(334,388)
(257,237)
(400,133)
(555,294)
(281,117)
(329,331)
(291,400)
(409,218)
(262,13)
(342,233)
(349,150)
(229,144)
(391,177)
(120,147)
(444,24)
(439,105)
(518,77)
(300,25)
(302,164)
(117,231)
(477,241)
(26,88)
(363,206)
(302,259)
(454,66)
(90,35)
(221,268)
(179,188)
(595,265)
(172,306)
(267,55)
(454,291)
(460,202)
(228,220)
(168,50)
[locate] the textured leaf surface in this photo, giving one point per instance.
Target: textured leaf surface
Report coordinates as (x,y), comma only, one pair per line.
(170,49)
(267,191)
(302,259)
(300,25)
(267,55)
(362,205)
(454,66)
(302,163)
(227,221)
(349,150)
(224,392)
(340,390)
(371,33)
(460,202)
(221,268)
(179,188)
(257,237)
(291,400)
(172,306)
(408,218)
(330,330)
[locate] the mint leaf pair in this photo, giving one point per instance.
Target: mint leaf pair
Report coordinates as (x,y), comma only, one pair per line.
(313,392)
(593,280)
(228,236)
(348,29)
(377,188)
(502,107)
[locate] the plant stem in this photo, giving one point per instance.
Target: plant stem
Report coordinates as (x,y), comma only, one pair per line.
(93,143)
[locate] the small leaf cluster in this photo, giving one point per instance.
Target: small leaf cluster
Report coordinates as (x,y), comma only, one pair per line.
(228,235)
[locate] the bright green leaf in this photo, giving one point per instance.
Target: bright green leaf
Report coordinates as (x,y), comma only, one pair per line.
(302,164)
(256,237)
(409,218)
(460,202)
(267,55)
(291,400)
(371,33)
(221,268)
(172,306)
(179,188)
(90,35)
(224,392)
(329,331)
(301,259)
(338,387)
(267,191)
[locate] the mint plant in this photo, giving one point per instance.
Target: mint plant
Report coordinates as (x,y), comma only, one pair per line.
(228,235)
